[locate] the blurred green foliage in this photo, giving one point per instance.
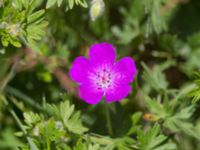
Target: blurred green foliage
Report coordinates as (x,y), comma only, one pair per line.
(39,106)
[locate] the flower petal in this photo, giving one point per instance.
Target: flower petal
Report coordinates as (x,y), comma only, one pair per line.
(117,93)
(102,53)
(125,70)
(79,69)
(90,94)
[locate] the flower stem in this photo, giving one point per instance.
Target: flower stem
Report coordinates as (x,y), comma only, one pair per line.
(48,144)
(18,121)
(108,119)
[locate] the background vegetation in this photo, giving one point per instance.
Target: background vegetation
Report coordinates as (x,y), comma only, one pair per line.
(39,106)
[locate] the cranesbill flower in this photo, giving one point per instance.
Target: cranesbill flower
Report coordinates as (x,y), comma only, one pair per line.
(100,76)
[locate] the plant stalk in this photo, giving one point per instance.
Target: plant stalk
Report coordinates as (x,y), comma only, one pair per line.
(108,119)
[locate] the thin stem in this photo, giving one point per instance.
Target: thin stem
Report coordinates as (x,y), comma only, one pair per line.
(108,119)
(31,143)
(48,144)
(18,121)
(23,97)
(15,116)
(10,75)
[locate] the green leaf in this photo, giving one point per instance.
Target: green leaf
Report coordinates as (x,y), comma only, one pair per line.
(155,76)
(94,147)
(155,22)
(71,3)
(180,122)
(185,113)
(71,119)
(59,2)
(74,124)
(80,145)
(52,109)
(25,3)
(66,111)
(35,31)
(50,3)
(31,118)
(82,3)
(15,42)
(157,108)
(176,119)
(136,118)
(194,40)
(35,16)
(5,41)
(8,140)
(154,140)
(195,93)
(17,4)
(32,145)
(51,130)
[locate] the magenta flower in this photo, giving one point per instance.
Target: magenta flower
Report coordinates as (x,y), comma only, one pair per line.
(100,76)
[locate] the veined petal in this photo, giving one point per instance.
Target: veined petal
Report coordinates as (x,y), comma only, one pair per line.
(125,70)
(90,94)
(117,93)
(102,53)
(79,69)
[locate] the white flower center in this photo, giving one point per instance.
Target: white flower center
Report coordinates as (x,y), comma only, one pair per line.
(102,77)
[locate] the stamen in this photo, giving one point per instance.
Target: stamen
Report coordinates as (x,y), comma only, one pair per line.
(102,78)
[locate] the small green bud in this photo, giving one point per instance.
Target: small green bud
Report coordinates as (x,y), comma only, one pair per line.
(14,29)
(96,9)
(1,3)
